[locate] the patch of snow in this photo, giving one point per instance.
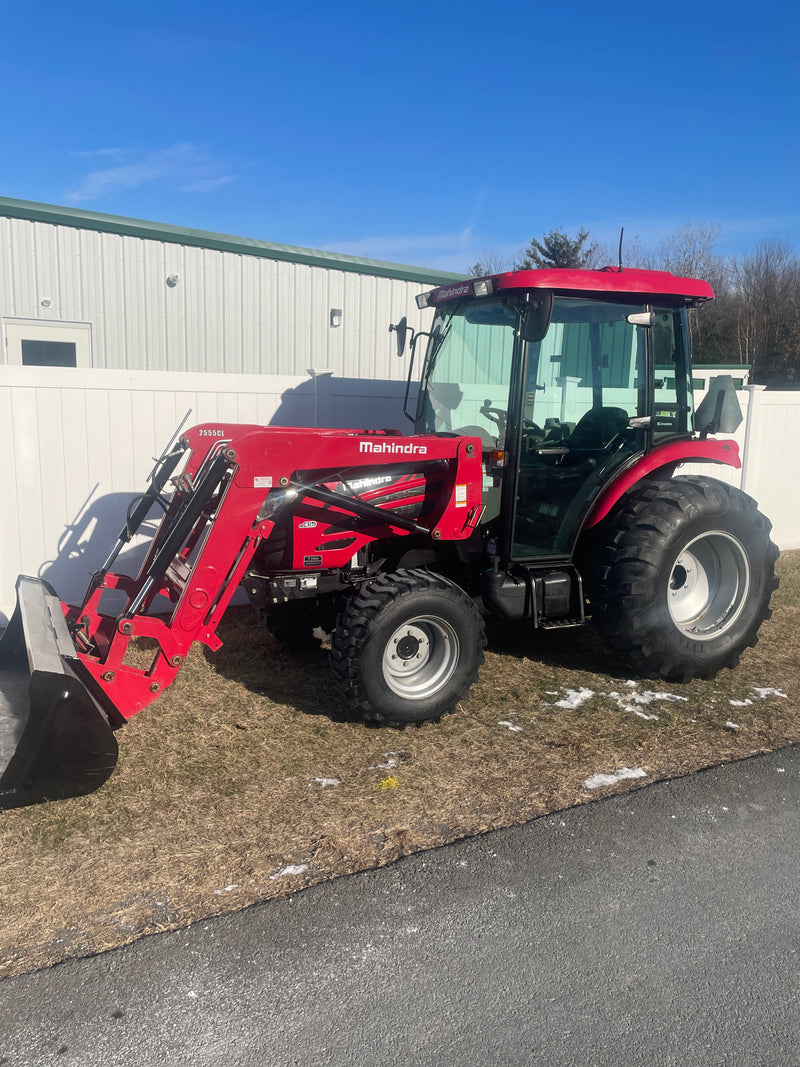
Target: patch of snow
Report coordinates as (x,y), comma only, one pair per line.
(325,782)
(647,698)
(284,872)
(598,780)
(393,759)
(511,726)
(761,693)
(731,725)
(574,698)
(630,701)
(227,889)
(781,770)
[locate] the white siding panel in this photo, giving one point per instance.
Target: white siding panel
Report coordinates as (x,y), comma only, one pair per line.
(7,272)
(249,316)
(282,312)
(45,246)
(68,289)
(23,269)
(117,309)
(192,284)
(214,310)
(333,352)
(90,307)
(176,338)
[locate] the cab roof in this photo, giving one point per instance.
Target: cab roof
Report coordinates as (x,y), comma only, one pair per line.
(567,281)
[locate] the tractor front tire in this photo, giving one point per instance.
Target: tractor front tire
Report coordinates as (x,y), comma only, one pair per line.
(683,577)
(407,648)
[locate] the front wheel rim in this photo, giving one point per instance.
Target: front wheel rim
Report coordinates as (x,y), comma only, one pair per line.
(708,585)
(420,657)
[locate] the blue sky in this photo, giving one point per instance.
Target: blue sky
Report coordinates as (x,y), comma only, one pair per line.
(416,133)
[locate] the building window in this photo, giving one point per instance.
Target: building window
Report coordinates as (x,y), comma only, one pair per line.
(49,354)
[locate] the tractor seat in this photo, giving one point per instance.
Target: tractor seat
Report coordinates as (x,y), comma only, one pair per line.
(598,427)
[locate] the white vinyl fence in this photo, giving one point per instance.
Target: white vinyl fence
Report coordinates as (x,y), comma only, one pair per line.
(78,444)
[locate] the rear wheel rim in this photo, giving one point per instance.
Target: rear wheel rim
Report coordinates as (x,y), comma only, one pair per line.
(708,585)
(420,657)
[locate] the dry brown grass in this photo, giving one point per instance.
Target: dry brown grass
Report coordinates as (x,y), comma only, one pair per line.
(221,784)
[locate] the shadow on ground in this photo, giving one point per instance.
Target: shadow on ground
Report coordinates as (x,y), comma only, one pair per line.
(301,676)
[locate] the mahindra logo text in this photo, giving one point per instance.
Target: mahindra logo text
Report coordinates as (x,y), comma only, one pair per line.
(393,448)
(464,289)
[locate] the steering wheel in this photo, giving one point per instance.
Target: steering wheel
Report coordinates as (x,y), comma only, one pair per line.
(500,417)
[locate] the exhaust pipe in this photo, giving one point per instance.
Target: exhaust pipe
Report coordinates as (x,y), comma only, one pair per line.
(55,739)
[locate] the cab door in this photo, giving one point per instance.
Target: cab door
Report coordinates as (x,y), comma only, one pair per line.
(587,395)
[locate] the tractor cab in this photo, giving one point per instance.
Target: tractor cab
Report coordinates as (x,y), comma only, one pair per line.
(568,377)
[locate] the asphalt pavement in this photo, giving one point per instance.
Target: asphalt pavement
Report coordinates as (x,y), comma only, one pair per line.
(657,927)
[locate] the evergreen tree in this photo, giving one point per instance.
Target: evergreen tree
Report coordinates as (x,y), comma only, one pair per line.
(557,249)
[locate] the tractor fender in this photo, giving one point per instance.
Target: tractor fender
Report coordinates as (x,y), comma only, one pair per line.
(667,455)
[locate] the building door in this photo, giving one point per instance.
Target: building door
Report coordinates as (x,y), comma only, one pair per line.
(34,343)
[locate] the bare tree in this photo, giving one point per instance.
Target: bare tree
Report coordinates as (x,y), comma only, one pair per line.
(491,262)
(689,252)
(634,254)
(767,288)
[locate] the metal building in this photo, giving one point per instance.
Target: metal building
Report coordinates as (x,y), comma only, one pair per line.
(78,288)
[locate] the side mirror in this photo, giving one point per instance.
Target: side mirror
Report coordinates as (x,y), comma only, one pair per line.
(401,329)
(537,316)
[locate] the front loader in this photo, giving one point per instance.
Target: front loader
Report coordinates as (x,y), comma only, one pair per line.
(541,482)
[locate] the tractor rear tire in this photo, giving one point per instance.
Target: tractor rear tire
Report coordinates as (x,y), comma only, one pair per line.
(407,648)
(683,577)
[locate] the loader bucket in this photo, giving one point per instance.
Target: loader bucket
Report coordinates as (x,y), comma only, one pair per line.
(55,740)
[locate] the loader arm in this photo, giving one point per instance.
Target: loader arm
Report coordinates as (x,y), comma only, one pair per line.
(234,478)
(231,484)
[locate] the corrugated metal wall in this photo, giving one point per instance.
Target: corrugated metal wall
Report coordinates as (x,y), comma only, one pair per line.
(228,313)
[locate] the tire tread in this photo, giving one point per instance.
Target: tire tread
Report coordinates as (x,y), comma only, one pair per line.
(354,624)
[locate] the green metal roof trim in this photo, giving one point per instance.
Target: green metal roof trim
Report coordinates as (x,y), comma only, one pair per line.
(92,220)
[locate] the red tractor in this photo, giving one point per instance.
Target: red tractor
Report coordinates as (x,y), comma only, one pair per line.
(553,414)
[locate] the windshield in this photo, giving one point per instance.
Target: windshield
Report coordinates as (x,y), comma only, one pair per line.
(468,372)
